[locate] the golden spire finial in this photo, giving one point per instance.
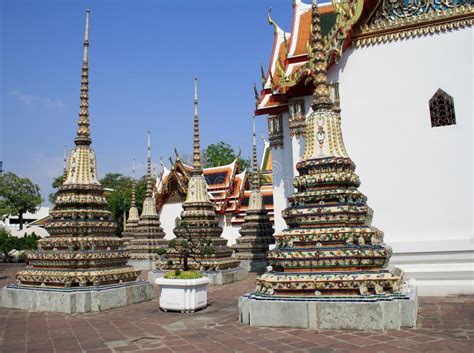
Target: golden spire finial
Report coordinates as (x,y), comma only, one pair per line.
(149,191)
(83,133)
(134,185)
(256,172)
(321,98)
(196,151)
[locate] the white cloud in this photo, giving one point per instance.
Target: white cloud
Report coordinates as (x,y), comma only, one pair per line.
(29,99)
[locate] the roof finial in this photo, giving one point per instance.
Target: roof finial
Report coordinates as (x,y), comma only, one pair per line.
(321,98)
(256,172)
(197,150)
(149,191)
(83,133)
(271,21)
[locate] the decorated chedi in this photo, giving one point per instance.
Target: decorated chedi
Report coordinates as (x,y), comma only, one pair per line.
(148,234)
(257,230)
(330,252)
(199,220)
(131,223)
(82,255)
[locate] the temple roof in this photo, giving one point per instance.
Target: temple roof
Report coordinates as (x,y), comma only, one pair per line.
(227,186)
(289,53)
(344,24)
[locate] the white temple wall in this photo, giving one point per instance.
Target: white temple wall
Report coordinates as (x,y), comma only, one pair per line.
(229,232)
(297,144)
(169,213)
(418,179)
(282,175)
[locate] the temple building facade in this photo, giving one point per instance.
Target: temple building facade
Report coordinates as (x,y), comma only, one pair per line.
(228,189)
(404,70)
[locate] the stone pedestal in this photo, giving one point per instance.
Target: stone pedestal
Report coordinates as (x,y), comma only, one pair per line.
(145,264)
(215,277)
(371,312)
(257,266)
(76,300)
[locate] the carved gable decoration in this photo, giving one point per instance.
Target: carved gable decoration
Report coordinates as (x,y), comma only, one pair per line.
(395,19)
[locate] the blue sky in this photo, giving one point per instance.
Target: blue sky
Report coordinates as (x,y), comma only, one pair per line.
(143,58)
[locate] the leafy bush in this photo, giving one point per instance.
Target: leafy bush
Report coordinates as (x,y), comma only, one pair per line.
(183,275)
(8,242)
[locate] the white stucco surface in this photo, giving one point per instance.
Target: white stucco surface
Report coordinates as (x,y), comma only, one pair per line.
(169,213)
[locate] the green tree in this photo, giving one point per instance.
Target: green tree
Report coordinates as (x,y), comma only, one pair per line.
(120,197)
(221,153)
(9,242)
(18,196)
(57,182)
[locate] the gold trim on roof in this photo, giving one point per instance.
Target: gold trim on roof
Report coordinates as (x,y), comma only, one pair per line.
(391,23)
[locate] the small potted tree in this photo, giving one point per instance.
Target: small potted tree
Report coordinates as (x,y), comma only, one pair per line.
(182,289)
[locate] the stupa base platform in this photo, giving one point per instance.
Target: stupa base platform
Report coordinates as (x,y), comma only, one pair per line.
(142,264)
(76,300)
(371,312)
(258,266)
(215,277)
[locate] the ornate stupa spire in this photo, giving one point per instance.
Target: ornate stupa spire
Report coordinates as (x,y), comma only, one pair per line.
(148,235)
(133,218)
(321,98)
(256,171)
(82,249)
(256,231)
(198,217)
(134,186)
(65,163)
(83,132)
(197,169)
(329,247)
(149,190)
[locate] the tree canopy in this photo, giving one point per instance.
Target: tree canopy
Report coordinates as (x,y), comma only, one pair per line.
(221,153)
(18,196)
(57,182)
(9,242)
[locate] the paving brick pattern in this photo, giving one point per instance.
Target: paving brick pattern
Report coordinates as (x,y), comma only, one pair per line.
(445,325)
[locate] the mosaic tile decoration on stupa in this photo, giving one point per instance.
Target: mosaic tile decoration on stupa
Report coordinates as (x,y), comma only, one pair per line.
(199,221)
(257,230)
(82,250)
(329,251)
(148,235)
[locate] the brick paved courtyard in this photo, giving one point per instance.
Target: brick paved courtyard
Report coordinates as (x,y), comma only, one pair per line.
(445,325)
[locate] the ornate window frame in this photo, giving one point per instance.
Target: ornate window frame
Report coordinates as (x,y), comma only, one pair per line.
(275,131)
(442,109)
(297,117)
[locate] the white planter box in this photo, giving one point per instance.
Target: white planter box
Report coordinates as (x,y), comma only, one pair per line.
(185,295)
